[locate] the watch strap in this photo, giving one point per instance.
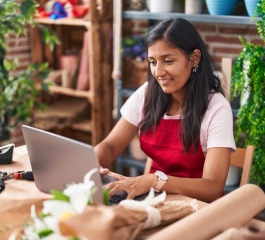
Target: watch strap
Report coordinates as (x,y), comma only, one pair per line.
(160,183)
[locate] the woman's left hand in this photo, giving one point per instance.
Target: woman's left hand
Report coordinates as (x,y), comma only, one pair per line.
(134,186)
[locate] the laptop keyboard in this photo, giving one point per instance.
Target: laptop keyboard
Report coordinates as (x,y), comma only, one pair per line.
(117,198)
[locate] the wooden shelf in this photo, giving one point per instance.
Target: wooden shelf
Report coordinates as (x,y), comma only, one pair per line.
(97,24)
(70,92)
(202,18)
(82,125)
(64,21)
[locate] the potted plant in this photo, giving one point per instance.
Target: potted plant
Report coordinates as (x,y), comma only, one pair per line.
(221,7)
(134,61)
(248,75)
(179,6)
(251,6)
(18,93)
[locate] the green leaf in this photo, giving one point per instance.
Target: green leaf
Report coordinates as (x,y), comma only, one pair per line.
(93,190)
(106,197)
(14,64)
(7,65)
(45,233)
(58,195)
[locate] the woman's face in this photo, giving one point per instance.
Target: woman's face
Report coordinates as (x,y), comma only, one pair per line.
(169,66)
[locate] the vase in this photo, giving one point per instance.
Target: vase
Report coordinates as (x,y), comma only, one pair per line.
(251,6)
(159,6)
(193,6)
(221,7)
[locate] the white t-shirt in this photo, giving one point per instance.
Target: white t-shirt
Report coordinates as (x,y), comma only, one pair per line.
(216,127)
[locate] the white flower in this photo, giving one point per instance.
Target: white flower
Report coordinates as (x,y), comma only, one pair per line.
(58,209)
(79,196)
(150,200)
(81,193)
(38,224)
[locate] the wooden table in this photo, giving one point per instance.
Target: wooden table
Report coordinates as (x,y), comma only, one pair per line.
(24,193)
(23,189)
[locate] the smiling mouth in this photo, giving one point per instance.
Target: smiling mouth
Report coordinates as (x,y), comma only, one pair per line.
(164,81)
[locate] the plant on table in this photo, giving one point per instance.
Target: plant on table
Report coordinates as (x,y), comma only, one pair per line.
(248,82)
(72,201)
(18,92)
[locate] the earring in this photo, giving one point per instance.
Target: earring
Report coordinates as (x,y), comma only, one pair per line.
(195,68)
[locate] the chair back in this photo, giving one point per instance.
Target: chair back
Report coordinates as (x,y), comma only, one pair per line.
(243,158)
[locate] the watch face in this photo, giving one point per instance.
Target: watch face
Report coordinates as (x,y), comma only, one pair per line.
(161,175)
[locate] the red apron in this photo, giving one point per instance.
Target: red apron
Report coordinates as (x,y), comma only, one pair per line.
(165,148)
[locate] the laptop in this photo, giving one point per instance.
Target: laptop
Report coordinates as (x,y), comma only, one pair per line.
(57,161)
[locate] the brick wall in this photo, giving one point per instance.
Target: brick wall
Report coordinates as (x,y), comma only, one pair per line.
(221,39)
(19,48)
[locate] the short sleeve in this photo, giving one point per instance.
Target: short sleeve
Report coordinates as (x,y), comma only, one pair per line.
(132,110)
(218,123)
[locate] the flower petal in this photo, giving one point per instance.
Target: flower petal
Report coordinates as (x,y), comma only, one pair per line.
(52,223)
(57,208)
(55,236)
(13,236)
(79,195)
(89,174)
(150,200)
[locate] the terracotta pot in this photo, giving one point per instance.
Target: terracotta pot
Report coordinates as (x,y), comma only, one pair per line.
(69,62)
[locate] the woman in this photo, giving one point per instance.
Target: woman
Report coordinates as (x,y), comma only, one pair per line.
(184,121)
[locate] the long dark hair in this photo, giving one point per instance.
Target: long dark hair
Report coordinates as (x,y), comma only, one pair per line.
(182,35)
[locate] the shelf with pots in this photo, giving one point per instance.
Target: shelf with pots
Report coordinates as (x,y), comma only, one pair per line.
(218,13)
(81,86)
(202,18)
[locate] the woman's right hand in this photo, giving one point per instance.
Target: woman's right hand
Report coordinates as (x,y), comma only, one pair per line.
(104,171)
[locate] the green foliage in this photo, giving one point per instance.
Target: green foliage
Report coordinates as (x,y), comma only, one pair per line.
(58,195)
(44,233)
(182,2)
(18,93)
(248,81)
(93,190)
(259,12)
(106,197)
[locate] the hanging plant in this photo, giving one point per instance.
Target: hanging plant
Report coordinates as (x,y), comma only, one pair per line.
(248,82)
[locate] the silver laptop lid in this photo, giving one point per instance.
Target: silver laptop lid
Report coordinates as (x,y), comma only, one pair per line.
(57,161)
